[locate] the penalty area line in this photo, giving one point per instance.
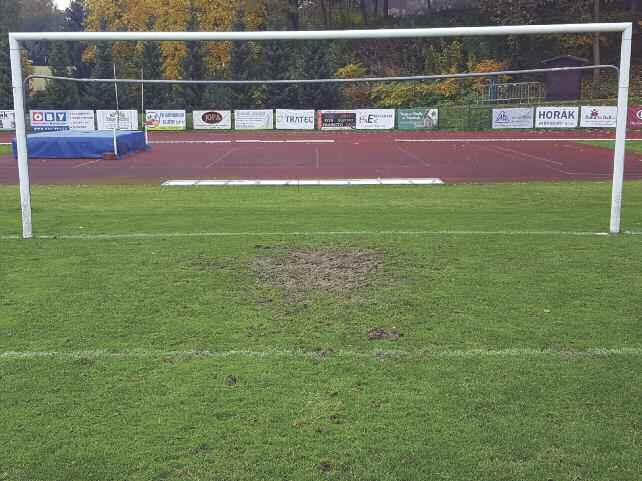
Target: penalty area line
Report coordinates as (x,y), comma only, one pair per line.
(163,235)
(327,353)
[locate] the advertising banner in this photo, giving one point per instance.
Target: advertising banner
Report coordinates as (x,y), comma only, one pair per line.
(376,119)
(517,118)
(417,119)
(7,120)
(598,117)
(556,117)
(337,119)
(212,119)
(50,120)
(107,119)
(635,117)
(295,119)
(253,119)
(82,120)
(165,119)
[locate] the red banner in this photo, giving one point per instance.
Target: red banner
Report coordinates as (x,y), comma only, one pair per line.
(635,117)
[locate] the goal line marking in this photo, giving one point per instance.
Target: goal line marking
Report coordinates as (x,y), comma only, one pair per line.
(161,235)
(328,353)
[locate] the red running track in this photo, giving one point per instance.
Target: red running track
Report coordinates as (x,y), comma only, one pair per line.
(452,156)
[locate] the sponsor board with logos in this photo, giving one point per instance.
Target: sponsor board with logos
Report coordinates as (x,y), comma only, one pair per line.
(212,119)
(7,120)
(52,120)
(165,119)
(337,119)
(513,118)
(294,119)
(556,117)
(117,119)
(598,117)
(417,119)
(635,117)
(253,119)
(375,119)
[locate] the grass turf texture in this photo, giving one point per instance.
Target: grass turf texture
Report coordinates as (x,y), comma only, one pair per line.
(633,146)
(291,387)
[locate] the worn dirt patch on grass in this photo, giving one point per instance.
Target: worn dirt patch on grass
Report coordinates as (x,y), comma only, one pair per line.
(331,270)
(381,333)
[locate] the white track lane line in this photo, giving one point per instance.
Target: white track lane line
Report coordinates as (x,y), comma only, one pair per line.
(301,141)
(190,142)
(167,235)
(592,353)
(506,140)
(221,158)
(89,162)
(416,158)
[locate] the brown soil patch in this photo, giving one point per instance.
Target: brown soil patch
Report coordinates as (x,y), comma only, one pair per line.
(377,333)
(333,270)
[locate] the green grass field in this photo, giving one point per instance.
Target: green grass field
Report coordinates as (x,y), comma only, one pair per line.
(465,332)
(634,146)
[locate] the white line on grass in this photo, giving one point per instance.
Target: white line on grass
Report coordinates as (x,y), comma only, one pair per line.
(162,235)
(327,353)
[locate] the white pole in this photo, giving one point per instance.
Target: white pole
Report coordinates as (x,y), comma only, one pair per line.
(328,34)
(21,137)
(620,133)
(117,113)
(142,105)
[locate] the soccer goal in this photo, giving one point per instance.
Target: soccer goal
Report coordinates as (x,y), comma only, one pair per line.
(625,29)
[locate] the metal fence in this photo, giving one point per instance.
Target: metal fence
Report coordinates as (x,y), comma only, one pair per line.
(513,92)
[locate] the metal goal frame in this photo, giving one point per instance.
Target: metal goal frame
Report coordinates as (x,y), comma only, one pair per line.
(625,29)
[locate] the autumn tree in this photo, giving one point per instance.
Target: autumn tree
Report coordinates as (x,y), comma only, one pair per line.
(9,9)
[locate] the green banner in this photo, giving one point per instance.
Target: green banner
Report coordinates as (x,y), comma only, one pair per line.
(417,119)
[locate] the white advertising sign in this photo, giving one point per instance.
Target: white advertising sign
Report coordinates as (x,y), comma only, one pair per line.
(517,118)
(376,119)
(253,119)
(598,117)
(81,120)
(212,119)
(295,119)
(165,119)
(47,120)
(127,119)
(556,117)
(7,120)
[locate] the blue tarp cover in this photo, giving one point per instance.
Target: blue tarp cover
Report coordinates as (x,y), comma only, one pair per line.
(68,144)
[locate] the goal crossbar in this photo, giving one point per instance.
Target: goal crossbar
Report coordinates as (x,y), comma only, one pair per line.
(625,29)
(407,78)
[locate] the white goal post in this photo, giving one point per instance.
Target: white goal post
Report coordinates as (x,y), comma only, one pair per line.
(626,29)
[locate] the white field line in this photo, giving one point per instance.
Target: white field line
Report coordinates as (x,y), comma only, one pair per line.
(164,235)
(329,353)
(317,141)
(526,139)
(300,141)
(190,141)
